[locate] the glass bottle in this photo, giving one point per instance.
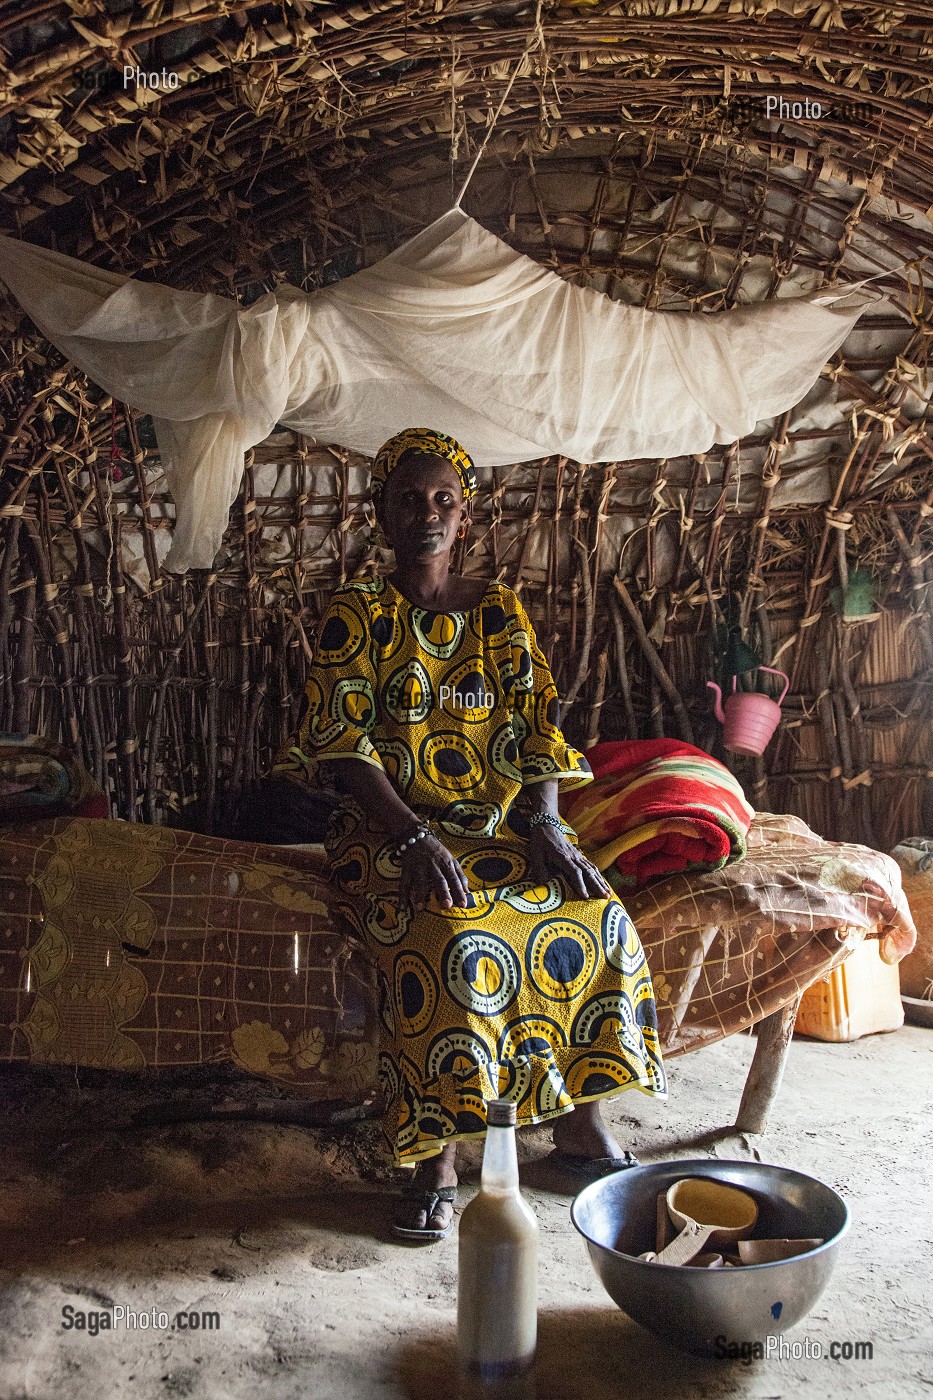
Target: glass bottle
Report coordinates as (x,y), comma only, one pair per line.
(497,1286)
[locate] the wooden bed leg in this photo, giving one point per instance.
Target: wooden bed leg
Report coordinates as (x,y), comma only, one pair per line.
(767,1069)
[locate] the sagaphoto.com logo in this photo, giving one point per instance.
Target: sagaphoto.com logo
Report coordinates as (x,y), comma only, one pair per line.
(133,78)
(95,1321)
(780,1348)
(797,107)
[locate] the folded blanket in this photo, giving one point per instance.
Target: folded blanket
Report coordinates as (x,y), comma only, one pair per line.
(657,807)
(41,780)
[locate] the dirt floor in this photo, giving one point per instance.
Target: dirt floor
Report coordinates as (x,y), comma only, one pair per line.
(281,1230)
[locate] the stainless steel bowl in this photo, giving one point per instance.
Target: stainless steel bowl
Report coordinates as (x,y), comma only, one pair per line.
(710,1310)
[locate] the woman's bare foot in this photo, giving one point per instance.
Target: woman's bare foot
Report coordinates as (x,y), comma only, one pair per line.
(430,1175)
(583,1133)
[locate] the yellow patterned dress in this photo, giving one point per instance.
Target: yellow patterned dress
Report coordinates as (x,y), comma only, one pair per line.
(529,993)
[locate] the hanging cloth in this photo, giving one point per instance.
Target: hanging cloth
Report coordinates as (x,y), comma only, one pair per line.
(453,329)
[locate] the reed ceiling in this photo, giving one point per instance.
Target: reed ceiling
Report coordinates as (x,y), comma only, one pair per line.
(634,153)
(303,121)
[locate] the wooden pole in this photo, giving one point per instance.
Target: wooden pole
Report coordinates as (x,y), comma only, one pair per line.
(655,663)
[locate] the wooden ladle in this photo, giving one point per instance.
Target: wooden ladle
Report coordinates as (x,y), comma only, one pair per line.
(708,1214)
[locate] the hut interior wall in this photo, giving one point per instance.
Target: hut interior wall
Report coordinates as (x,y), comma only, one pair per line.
(178,692)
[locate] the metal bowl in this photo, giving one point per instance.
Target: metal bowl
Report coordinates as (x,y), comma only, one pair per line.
(711,1310)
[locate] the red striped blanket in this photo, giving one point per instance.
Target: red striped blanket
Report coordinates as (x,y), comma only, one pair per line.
(657,807)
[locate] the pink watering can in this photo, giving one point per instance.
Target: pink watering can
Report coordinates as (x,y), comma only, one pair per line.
(749,719)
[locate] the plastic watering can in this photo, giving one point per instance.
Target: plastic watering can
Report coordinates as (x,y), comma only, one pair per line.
(749,719)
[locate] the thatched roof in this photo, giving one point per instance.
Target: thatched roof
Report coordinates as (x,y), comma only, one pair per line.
(323,123)
(633,152)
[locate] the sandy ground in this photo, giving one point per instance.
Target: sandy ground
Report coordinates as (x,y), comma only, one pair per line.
(281,1229)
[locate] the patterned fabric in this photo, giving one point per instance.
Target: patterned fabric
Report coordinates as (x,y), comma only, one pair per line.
(41,779)
(526,993)
(124,946)
(730,947)
(432,444)
(459,708)
(658,806)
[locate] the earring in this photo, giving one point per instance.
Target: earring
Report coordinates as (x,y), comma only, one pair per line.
(462,533)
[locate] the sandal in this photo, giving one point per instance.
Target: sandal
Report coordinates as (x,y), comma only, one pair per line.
(587,1169)
(428,1201)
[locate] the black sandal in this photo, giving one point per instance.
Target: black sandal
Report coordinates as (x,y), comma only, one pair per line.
(427,1200)
(587,1169)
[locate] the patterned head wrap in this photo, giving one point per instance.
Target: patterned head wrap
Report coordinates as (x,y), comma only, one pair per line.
(431,443)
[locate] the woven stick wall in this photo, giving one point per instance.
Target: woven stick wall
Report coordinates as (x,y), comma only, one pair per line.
(630,156)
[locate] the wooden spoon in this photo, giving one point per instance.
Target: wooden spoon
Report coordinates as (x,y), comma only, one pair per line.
(707,1212)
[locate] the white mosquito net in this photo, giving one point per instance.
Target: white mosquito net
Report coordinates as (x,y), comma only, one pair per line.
(453,330)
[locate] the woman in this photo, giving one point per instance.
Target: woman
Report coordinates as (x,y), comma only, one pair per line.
(506,965)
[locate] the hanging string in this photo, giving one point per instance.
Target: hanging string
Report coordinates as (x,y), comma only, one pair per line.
(535,42)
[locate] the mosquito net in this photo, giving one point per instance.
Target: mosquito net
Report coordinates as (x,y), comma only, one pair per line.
(453,330)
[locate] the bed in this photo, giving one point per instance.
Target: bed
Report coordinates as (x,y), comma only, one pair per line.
(124,946)
(738,947)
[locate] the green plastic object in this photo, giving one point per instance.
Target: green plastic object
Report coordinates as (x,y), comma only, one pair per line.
(857,602)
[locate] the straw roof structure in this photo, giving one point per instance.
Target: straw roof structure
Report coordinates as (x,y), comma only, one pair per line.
(677,154)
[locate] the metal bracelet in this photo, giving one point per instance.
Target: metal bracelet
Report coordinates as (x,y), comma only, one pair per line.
(544,819)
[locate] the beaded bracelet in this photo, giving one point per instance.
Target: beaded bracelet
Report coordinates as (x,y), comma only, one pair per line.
(422,830)
(544,819)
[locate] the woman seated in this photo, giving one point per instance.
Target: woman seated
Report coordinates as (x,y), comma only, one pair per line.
(507,967)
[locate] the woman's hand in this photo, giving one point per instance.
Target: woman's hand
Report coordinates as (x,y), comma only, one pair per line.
(428,869)
(550,854)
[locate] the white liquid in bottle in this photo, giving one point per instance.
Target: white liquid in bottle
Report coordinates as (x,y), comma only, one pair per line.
(497,1291)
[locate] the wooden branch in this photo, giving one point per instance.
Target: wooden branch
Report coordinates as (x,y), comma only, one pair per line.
(655,663)
(625,685)
(588,623)
(7,565)
(767,1069)
(154,732)
(596,709)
